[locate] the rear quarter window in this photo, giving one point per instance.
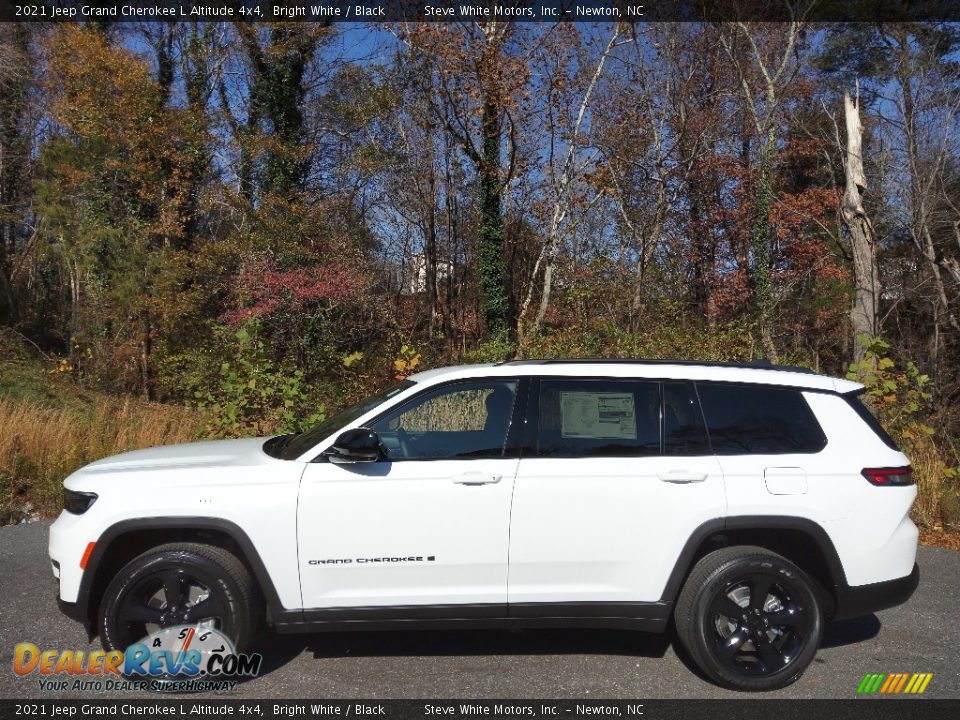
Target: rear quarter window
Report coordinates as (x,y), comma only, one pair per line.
(758,420)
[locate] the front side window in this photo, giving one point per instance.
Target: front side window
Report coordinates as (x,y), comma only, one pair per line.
(589,418)
(759,420)
(292,446)
(460,421)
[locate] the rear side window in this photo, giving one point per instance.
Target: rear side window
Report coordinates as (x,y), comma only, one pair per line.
(758,420)
(864,412)
(588,418)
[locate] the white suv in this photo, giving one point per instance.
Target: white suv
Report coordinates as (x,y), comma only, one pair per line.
(750,504)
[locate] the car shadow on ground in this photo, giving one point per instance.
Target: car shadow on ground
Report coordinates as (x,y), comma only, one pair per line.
(835,634)
(278,650)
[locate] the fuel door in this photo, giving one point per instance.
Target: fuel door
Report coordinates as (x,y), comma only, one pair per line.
(785,480)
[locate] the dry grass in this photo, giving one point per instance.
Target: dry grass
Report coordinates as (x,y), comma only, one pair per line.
(940,538)
(933,485)
(41,445)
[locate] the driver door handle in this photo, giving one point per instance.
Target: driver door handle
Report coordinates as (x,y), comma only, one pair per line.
(476,477)
(682,476)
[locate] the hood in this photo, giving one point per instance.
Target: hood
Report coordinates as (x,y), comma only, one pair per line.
(219,453)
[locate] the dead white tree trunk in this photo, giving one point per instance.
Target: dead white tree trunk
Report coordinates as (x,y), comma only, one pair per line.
(866,274)
(563,185)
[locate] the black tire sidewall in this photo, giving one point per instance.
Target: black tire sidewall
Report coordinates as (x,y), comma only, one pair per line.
(236,624)
(701,619)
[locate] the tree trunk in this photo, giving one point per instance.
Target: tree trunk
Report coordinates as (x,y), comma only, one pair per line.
(866,275)
(762,285)
(492,271)
(14,154)
(430,263)
(146,351)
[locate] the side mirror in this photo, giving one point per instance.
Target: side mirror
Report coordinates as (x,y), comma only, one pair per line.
(356,445)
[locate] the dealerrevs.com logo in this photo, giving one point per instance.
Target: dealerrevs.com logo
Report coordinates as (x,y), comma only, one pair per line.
(894,683)
(181,658)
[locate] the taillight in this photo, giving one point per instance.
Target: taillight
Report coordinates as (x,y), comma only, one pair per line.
(890,476)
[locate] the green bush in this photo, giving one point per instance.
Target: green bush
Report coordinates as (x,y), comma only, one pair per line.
(900,398)
(254,396)
(497,349)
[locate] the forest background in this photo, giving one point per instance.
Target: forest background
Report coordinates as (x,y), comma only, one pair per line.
(217,229)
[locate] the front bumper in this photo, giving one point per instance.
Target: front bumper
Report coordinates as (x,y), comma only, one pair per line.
(73,611)
(69,536)
(857,600)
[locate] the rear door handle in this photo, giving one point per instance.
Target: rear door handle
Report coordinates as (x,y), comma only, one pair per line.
(477,478)
(682,476)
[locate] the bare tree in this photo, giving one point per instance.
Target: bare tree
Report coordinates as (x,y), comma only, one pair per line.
(866,274)
(650,141)
(927,105)
(564,172)
(765,53)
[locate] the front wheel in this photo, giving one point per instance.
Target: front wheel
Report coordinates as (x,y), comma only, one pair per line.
(178,584)
(749,618)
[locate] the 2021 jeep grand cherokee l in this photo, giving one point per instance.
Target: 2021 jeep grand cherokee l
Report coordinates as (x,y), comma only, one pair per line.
(749,504)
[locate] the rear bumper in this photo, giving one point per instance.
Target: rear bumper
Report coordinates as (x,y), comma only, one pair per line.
(865,599)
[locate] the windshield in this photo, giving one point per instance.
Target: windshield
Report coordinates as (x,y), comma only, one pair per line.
(290,447)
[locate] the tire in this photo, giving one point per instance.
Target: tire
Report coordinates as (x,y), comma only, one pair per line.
(739,639)
(201,572)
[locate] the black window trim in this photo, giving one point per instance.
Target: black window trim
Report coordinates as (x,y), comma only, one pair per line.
(521,441)
(864,413)
(513,439)
(527,448)
(692,390)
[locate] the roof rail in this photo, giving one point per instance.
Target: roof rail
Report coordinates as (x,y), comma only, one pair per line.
(761,364)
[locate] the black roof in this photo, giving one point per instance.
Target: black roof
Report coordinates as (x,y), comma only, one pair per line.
(755,365)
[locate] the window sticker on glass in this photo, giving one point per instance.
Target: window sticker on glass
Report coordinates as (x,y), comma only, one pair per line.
(598,415)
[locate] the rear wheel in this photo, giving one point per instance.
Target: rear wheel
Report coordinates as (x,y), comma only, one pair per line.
(178,584)
(749,618)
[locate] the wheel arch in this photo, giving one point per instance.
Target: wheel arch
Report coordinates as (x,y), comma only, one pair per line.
(123,541)
(801,540)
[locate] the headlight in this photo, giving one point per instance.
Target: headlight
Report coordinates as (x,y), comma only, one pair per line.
(77,502)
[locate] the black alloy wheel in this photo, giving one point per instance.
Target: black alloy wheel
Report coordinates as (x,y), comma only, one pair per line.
(749,618)
(760,627)
(165,598)
(179,584)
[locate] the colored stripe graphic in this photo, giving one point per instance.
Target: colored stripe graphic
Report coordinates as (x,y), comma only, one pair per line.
(870,683)
(918,683)
(894,683)
(903,680)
